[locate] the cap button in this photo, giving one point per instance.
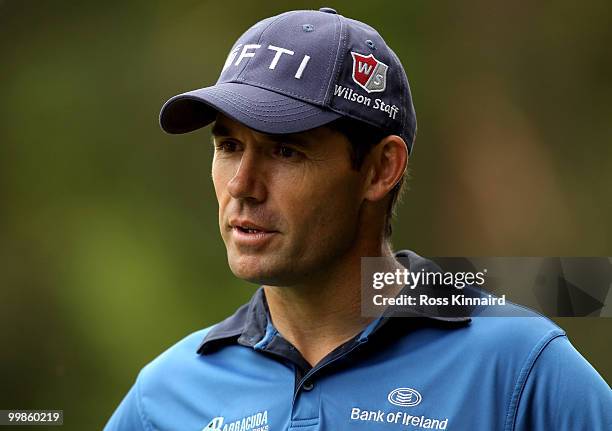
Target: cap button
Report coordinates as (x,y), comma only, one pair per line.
(328,10)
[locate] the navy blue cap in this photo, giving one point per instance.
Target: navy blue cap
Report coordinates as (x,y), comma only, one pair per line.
(300,70)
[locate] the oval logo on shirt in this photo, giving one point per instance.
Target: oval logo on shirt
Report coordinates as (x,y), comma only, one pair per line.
(405,397)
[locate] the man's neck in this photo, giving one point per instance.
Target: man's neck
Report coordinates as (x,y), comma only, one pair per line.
(320,315)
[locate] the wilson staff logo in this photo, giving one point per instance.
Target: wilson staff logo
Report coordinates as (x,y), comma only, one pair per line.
(369,73)
(404,397)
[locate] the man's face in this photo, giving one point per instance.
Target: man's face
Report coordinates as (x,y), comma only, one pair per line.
(288,204)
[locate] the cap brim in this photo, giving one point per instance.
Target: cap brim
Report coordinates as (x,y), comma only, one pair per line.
(259,109)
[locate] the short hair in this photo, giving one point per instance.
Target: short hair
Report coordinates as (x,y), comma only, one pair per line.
(363,137)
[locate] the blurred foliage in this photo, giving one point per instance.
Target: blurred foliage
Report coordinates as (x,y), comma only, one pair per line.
(109,247)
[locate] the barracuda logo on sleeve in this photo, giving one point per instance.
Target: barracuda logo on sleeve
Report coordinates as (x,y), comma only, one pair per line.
(254,422)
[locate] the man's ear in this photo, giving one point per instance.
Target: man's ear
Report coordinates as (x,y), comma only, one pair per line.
(387,163)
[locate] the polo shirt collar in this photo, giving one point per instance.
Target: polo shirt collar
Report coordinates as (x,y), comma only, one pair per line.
(250,325)
(246,326)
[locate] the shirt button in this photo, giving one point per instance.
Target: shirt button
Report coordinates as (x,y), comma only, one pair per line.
(308,385)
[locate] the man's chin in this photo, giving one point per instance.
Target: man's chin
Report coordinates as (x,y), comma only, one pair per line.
(255,269)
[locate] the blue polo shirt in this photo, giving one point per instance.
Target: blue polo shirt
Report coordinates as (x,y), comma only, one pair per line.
(419,373)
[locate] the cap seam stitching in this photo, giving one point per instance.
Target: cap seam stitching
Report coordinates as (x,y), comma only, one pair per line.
(244,68)
(336,73)
(265,86)
(246,105)
(332,55)
(284,91)
(264,104)
(246,101)
(251,114)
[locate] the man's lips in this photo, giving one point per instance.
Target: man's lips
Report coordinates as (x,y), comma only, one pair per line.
(248,235)
(248,226)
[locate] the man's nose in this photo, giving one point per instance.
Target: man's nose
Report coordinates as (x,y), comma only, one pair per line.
(248,180)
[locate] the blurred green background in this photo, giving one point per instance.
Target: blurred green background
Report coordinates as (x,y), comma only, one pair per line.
(109,248)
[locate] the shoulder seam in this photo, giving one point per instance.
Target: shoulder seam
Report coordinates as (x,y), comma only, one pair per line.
(524,374)
(146,424)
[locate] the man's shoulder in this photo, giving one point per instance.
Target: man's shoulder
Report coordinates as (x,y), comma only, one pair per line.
(188,358)
(498,346)
(174,360)
(514,320)
(518,332)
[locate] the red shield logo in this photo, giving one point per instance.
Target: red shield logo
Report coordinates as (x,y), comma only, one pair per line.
(369,73)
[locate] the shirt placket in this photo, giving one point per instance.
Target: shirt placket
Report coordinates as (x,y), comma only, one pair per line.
(306,407)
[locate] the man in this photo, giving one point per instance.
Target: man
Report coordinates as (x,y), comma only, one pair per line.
(313,125)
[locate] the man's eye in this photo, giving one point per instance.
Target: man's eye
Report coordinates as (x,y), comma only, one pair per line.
(226,146)
(287,152)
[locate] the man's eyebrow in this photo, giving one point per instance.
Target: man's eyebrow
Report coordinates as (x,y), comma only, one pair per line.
(289,138)
(220,130)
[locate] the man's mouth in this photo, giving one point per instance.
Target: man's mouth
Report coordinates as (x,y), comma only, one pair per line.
(248,235)
(249,227)
(248,230)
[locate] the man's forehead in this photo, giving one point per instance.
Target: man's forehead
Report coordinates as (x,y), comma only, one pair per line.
(225,126)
